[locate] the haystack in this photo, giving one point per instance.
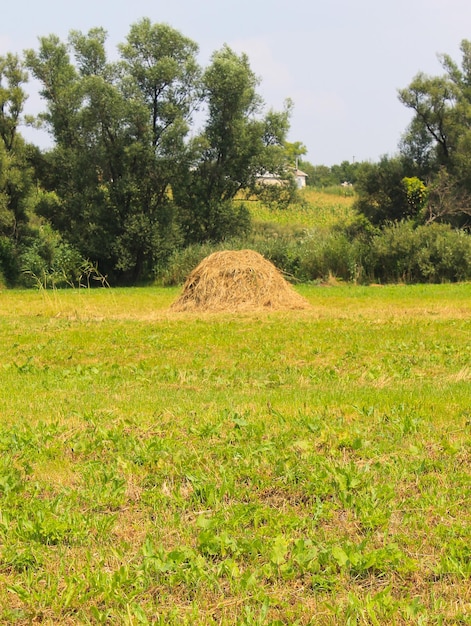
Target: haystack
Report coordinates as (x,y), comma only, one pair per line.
(237,281)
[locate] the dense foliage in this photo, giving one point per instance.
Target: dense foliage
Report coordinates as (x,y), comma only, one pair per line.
(435,152)
(362,254)
(150,151)
(126,182)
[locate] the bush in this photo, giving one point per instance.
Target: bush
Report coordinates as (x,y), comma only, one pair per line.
(399,252)
(278,244)
(432,253)
(282,247)
(9,268)
(382,196)
(331,253)
(214,222)
(182,262)
(47,261)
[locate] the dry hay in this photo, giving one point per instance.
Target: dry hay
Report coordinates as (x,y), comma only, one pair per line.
(237,281)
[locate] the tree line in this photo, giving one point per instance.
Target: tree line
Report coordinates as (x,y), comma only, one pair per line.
(130,176)
(150,150)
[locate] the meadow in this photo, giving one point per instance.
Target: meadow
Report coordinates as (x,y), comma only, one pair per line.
(316,208)
(309,467)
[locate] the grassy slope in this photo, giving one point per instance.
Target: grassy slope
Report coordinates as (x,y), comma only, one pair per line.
(309,467)
(318,209)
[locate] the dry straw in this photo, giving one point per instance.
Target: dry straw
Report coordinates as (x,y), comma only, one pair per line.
(237,281)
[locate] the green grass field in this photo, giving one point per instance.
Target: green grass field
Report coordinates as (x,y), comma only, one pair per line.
(280,468)
(316,209)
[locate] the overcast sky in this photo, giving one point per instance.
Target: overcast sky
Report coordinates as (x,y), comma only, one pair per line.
(341,62)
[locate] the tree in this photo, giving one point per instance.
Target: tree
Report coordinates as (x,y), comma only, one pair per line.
(447,201)
(162,77)
(15,174)
(317,175)
(416,193)
(433,100)
(124,182)
(437,143)
(382,194)
(84,114)
(161,64)
(12,98)
(345,172)
(119,132)
(440,132)
(417,147)
(237,144)
(294,150)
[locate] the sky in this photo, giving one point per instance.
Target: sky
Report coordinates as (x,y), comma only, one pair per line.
(340,62)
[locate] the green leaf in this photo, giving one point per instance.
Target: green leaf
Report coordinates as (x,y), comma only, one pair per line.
(340,556)
(279,551)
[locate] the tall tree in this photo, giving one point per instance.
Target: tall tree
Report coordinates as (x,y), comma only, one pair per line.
(82,119)
(237,143)
(438,140)
(15,173)
(119,130)
(433,99)
(12,98)
(162,79)
(129,184)
(441,127)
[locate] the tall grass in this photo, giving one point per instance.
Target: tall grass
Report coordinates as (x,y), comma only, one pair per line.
(314,209)
(278,468)
(315,241)
(285,236)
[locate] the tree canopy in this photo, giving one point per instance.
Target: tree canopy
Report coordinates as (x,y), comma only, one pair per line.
(434,157)
(130,174)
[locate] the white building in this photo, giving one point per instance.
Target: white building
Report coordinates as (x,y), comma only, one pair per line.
(272,179)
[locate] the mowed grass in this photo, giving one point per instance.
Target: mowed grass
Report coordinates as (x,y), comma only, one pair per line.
(280,468)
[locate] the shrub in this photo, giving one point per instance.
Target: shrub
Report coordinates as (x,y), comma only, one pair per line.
(283,251)
(433,253)
(327,254)
(399,252)
(47,261)
(9,269)
(181,262)
(277,243)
